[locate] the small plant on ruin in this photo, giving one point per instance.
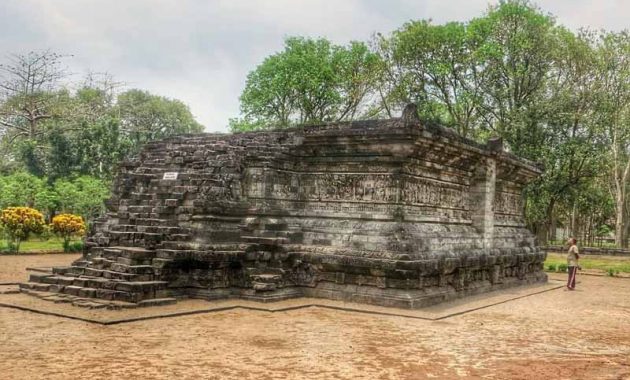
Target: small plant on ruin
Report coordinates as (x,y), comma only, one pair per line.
(68,226)
(19,222)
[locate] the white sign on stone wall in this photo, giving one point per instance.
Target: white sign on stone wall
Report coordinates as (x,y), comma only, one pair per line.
(170,175)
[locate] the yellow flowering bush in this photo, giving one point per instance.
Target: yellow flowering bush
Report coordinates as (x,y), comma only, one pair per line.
(19,223)
(67,226)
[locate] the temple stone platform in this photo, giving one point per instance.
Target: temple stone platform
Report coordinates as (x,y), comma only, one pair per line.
(389,212)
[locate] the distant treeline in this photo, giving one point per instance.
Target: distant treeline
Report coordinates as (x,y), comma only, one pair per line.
(61,142)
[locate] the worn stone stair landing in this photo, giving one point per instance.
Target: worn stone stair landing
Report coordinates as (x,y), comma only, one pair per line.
(118,277)
(91,303)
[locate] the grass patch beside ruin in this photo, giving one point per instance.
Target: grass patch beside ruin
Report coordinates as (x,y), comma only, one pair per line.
(603,263)
(36,245)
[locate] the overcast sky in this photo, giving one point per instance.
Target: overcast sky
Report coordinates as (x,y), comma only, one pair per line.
(201,51)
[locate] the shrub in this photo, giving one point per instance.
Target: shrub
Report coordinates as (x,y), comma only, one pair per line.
(19,222)
(610,272)
(46,234)
(68,226)
(75,246)
(562,267)
(551,267)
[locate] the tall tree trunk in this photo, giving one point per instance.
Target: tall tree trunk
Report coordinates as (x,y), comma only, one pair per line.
(549,234)
(619,220)
(553,227)
(572,226)
(626,231)
(621,172)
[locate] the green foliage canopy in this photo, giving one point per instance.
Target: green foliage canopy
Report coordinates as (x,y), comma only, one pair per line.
(311,81)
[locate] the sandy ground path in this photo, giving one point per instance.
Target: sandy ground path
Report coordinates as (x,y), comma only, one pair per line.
(13,267)
(554,335)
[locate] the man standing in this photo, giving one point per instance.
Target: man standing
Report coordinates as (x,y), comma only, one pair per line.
(572,261)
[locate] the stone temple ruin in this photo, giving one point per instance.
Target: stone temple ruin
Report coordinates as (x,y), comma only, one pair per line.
(388,212)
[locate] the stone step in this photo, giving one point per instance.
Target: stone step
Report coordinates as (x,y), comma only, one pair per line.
(110,252)
(265,240)
(98,266)
(167,230)
(71,271)
(89,304)
(183,254)
(52,279)
(235,248)
(141,286)
(176,254)
(81,263)
(143,239)
(93,303)
(126,236)
(110,274)
(159,263)
(133,262)
(36,286)
(179,237)
(157,302)
(75,273)
(100,263)
(100,293)
(268,234)
(132,269)
(139,209)
(128,252)
(153,222)
(129,291)
(61,271)
(137,196)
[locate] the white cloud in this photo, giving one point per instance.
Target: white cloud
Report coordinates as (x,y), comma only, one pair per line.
(200,51)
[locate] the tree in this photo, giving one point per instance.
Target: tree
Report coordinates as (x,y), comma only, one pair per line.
(513,73)
(19,223)
(68,226)
(145,117)
(433,66)
(613,104)
(565,136)
(51,131)
(30,93)
(24,189)
(310,81)
(514,45)
(487,76)
(84,196)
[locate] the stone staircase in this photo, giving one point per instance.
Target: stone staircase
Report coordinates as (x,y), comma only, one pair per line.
(123,274)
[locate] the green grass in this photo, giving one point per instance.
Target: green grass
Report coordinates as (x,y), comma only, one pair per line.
(604,263)
(36,245)
(603,244)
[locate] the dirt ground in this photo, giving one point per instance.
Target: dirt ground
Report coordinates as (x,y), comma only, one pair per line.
(553,335)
